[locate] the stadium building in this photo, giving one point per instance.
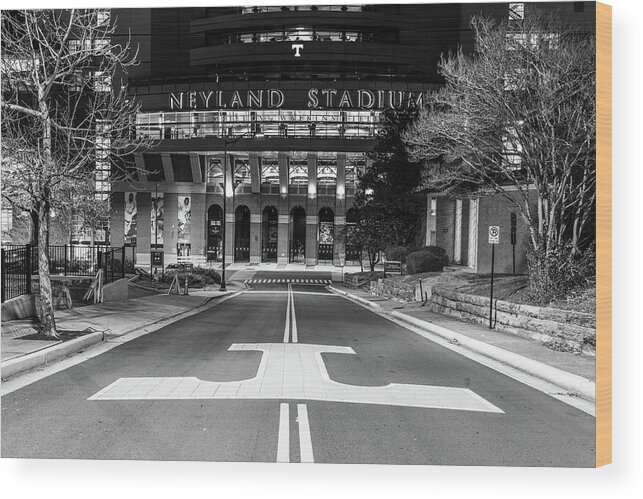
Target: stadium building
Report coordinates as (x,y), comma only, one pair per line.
(267,114)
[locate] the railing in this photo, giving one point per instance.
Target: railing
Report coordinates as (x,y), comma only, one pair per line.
(20,263)
(16,271)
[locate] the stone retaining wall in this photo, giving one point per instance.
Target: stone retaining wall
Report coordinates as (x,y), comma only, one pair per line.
(562,330)
(355,281)
(394,290)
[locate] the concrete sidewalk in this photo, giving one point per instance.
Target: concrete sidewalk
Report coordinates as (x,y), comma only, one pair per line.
(569,372)
(106,320)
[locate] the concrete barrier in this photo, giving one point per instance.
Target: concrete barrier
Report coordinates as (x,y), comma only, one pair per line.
(21,307)
(45,356)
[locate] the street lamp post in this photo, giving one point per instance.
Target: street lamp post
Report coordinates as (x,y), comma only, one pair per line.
(226,142)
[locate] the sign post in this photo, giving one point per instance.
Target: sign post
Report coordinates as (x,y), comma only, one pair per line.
(494,238)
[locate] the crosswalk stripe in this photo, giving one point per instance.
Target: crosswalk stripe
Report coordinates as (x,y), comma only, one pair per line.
(287,281)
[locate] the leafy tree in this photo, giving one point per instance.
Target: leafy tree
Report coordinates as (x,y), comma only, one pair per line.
(520,112)
(388,206)
(63,109)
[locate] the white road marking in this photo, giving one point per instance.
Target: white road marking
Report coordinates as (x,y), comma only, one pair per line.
(305,441)
(287,329)
(288,281)
(283,442)
(307,379)
(294,317)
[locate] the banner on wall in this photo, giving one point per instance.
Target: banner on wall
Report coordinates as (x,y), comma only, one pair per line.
(131,218)
(156,218)
(184,219)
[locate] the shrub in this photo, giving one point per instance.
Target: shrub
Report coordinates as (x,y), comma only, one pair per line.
(554,275)
(439,253)
(423,261)
(396,253)
(200,276)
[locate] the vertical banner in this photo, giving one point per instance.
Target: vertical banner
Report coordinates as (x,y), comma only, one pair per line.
(184,219)
(156,218)
(130,217)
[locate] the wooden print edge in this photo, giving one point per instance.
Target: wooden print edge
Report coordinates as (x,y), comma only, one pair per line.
(603,234)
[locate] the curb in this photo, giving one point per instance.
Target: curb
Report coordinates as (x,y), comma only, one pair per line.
(563,380)
(567,382)
(45,356)
(357,299)
(48,355)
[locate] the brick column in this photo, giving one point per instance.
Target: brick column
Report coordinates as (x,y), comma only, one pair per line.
(312,229)
(170,226)
(339,249)
(228,199)
(255,237)
(312,225)
(117,221)
(143,227)
(445,224)
(283,244)
(457,244)
(255,172)
(198,228)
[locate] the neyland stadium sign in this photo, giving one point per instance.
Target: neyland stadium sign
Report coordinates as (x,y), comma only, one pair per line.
(313,98)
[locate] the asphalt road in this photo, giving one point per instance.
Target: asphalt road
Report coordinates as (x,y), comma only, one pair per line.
(512,424)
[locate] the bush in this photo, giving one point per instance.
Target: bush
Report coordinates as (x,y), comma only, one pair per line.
(396,253)
(423,261)
(554,275)
(200,276)
(439,253)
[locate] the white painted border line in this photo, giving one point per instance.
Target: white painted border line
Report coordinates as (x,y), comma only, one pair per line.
(305,441)
(283,442)
(547,385)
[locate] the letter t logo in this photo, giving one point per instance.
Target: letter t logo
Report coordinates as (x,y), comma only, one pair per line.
(297,47)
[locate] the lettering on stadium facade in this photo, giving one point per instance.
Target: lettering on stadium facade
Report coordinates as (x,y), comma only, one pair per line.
(313,98)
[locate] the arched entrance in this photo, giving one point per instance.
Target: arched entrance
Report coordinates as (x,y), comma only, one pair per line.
(298,234)
(242,234)
(352,252)
(215,227)
(326,238)
(269,234)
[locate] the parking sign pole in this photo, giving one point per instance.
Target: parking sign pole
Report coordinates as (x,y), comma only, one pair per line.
(493,255)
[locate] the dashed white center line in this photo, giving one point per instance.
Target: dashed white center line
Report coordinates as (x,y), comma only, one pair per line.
(305,441)
(294,317)
(283,442)
(287,328)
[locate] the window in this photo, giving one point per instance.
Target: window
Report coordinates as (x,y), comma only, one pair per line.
(326,169)
(102,82)
(7,219)
(215,171)
(270,169)
(298,169)
(516,11)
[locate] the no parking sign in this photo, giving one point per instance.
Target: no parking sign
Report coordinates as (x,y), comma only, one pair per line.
(494,234)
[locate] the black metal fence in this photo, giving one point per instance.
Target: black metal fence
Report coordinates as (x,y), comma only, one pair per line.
(17,263)
(20,263)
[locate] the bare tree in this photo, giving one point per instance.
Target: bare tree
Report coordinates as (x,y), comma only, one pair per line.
(519,112)
(64,109)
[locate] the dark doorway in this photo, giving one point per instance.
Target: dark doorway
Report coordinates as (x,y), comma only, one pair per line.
(297,234)
(269,234)
(326,239)
(215,228)
(242,234)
